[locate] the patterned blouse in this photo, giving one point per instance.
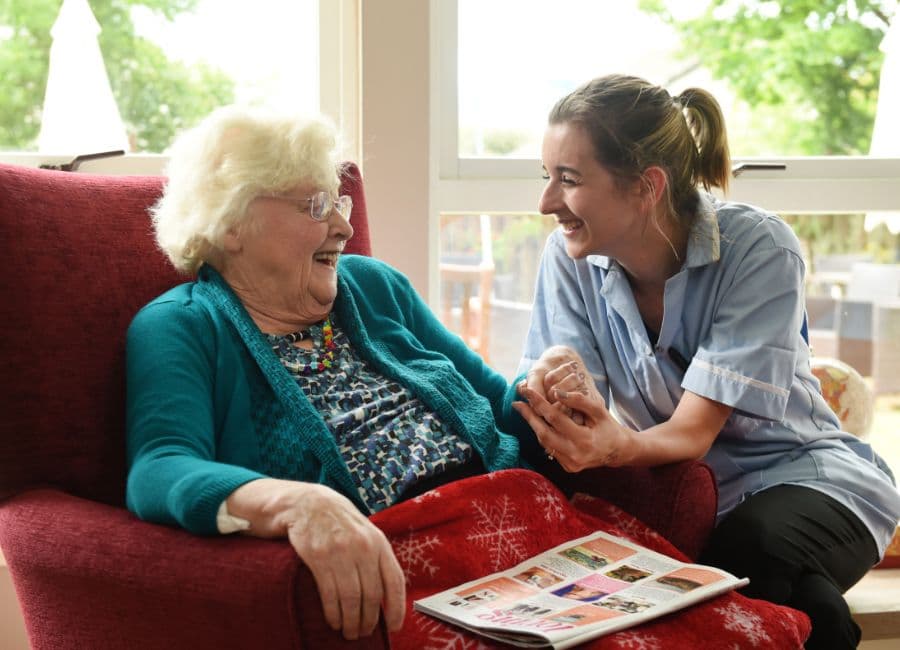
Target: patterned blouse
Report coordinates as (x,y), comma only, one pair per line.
(389,438)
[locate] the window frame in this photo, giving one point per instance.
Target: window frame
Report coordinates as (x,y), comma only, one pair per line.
(805,185)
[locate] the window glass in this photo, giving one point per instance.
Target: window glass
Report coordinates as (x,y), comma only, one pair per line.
(853,284)
(487,270)
(161,65)
(809,70)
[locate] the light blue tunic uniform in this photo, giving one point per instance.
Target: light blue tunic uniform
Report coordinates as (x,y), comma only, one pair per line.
(731,333)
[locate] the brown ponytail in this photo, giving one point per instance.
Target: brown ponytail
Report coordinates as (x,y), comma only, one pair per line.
(707,124)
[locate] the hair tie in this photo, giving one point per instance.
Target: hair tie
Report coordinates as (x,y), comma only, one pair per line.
(683,100)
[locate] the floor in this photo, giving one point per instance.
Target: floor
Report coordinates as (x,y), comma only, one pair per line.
(12,629)
(875,603)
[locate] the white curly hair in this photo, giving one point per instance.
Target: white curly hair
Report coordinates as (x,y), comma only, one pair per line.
(232,156)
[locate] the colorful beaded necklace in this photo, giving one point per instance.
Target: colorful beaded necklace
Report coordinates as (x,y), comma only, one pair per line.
(319,362)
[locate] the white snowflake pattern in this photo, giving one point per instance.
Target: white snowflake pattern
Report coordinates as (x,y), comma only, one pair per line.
(443,637)
(632,528)
(743,621)
(634,640)
(413,555)
(497,529)
(426,496)
(550,500)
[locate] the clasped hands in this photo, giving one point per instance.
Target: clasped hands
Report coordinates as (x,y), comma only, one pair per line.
(567,412)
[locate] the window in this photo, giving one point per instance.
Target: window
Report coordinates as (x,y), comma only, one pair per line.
(93,76)
(796,96)
(788,85)
(793,79)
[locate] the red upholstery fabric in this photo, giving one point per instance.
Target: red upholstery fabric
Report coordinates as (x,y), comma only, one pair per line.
(678,500)
(90,575)
(79,261)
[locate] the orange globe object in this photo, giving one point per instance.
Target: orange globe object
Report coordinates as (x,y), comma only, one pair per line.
(847,393)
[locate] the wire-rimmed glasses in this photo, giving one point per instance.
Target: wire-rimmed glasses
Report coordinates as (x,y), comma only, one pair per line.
(319,205)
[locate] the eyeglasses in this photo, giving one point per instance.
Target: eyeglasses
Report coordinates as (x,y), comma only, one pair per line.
(319,205)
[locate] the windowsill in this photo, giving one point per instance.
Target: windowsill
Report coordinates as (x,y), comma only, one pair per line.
(144,164)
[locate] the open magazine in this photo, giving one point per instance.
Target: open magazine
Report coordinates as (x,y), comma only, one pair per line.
(577,591)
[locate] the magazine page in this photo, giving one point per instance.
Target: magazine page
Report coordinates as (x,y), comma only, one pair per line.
(579,590)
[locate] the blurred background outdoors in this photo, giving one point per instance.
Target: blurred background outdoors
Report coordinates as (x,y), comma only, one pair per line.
(795,78)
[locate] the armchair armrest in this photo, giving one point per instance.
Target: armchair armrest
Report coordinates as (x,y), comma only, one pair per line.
(679,500)
(89,575)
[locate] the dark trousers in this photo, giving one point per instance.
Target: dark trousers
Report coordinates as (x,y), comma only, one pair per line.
(799,548)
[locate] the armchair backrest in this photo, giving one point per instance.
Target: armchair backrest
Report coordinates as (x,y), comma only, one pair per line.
(79,259)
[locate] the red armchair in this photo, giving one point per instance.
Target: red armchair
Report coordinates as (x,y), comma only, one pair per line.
(79,261)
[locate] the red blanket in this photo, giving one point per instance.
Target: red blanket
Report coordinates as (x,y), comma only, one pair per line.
(477,526)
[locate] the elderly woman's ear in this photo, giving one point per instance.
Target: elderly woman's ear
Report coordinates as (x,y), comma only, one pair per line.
(231,241)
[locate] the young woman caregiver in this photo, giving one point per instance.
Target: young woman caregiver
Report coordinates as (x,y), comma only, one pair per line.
(681,315)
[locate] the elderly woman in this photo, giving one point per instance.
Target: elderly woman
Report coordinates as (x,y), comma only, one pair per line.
(283,394)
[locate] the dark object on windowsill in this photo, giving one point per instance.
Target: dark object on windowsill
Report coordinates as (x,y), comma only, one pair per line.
(740,168)
(76,162)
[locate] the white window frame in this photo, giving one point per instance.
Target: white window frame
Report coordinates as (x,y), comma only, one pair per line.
(806,185)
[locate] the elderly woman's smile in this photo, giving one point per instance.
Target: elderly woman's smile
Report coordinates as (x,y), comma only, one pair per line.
(329,259)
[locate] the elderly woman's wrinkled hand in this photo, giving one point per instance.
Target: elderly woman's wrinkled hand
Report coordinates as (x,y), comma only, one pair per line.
(351,560)
(553,365)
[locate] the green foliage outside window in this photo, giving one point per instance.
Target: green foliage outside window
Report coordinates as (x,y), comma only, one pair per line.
(156,96)
(809,71)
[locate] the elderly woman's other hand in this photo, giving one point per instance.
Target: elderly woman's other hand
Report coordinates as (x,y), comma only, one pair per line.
(351,559)
(554,365)
(559,368)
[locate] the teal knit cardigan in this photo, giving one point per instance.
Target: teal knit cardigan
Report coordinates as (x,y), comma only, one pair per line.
(210,407)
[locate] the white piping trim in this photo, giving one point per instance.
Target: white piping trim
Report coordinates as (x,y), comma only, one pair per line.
(733,376)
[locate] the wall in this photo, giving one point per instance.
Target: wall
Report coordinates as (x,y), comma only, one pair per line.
(395,134)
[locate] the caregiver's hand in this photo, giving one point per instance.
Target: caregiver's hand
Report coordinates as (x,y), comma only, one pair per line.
(568,414)
(597,440)
(350,558)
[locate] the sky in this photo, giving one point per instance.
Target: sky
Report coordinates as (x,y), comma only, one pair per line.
(269,47)
(559,42)
(510,78)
